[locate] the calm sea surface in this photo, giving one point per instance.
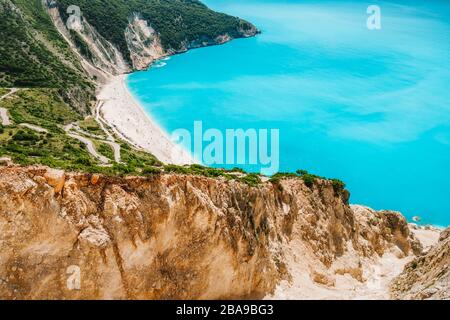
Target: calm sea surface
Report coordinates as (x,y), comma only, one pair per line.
(369,107)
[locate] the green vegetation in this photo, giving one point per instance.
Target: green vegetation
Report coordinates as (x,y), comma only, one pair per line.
(34,55)
(104,149)
(196,169)
(82,46)
(45,108)
(338,185)
(41,107)
(276,178)
(151,171)
(56,91)
(309,180)
(57,150)
(28,147)
(176,21)
(251,179)
(25,136)
(301,172)
(91,126)
(137,160)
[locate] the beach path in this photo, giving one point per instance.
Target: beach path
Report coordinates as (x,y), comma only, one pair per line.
(33,127)
(3,112)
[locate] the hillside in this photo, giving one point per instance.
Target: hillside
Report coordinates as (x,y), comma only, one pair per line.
(180,24)
(75,194)
(49,117)
(34,55)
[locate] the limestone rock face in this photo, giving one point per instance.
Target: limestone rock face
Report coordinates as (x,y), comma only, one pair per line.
(383,227)
(175,236)
(143,42)
(104,55)
(444,234)
(55,178)
(426,277)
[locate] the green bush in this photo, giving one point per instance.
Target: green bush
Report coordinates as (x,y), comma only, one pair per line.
(25,136)
(175,21)
(338,186)
(282,175)
(309,180)
(301,172)
(151,171)
(176,169)
(251,179)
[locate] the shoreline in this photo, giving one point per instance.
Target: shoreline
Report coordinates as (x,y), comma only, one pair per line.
(129,120)
(127,117)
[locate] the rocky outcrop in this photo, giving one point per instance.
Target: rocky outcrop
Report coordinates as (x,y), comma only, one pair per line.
(143,42)
(100,57)
(444,234)
(205,41)
(175,236)
(221,39)
(428,276)
(381,228)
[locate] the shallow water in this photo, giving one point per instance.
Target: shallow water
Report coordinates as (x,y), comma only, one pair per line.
(369,107)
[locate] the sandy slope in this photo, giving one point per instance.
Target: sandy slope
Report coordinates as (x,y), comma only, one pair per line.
(378,274)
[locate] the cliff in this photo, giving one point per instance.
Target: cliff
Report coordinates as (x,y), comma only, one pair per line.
(122,36)
(428,276)
(167,236)
(179,236)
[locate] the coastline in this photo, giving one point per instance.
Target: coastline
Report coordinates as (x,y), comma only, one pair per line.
(123,113)
(127,118)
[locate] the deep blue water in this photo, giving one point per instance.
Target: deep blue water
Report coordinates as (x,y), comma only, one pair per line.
(371,107)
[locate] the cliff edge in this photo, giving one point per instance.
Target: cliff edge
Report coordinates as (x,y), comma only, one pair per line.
(172,236)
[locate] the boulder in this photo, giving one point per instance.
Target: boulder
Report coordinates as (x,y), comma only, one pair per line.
(444,234)
(56,179)
(94,179)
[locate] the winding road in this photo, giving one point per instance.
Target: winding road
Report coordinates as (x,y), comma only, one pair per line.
(4,111)
(33,127)
(111,141)
(90,147)
(5,121)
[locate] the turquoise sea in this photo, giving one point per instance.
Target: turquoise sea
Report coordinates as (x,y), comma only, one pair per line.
(371,107)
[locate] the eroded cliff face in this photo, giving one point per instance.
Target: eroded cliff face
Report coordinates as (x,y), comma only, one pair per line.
(174,236)
(428,276)
(209,41)
(143,42)
(102,59)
